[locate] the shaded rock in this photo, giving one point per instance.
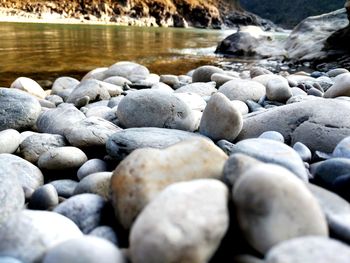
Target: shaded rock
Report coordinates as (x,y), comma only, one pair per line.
(19,110)
(122,143)
(221,120)
(171,80)
(315,123)
(273,206)
(152,108)
(309,249)
(62,158)
(36,144)
(65,187)
(201,88)
(30,86)
(143,174)
(221,78)
(86,249)
(128,70)
(85,210)
(28,175)
(90,132)
(204,73)
(105,232)
(90,167)
(44,198)
(270,151)
(96,183)
(56,121)
(328,171)
(184,223)
(243,90)
(29,234)
(337,71)
(238,44)
(55,99)
(9,141)
(97,73)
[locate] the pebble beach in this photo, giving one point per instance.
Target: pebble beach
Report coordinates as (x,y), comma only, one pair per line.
(216,165)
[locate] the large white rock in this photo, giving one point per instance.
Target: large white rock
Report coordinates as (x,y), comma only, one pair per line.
(146,172)
(30,86)
(243,90)
(184,223)
(341,87)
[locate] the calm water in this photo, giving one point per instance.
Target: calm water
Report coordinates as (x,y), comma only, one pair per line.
(45,52)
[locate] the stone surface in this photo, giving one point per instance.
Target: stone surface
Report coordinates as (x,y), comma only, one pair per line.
(85,210)
(9,141)
(146,172)
(243,90)
(90,132)
(116,80)
(36,144)
(44,198)
(273,206)
(204,73)
(28,175)
(62,158)
(56,121)
(315,123)
(221,120)
(184,223)
(9,260)
(241,106)
(270,151)
(128,70)
(341,87)
(124,142)
(30,86)
(342,150)
(19,110)
(64,187)
(105,232)
(193,100)
(278,90)
(272,135)
(152,108)
(63,86)
(96,183)
(303,151)
(309,249)
(29,234)
(90,167)
(200,88)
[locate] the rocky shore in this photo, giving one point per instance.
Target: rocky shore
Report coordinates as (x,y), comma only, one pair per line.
(212,166)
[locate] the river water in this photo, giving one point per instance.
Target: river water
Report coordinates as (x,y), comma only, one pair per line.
(47,51)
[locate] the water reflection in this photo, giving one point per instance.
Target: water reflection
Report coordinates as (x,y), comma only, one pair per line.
(43,51)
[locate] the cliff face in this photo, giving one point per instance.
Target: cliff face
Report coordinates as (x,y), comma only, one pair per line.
(199,13)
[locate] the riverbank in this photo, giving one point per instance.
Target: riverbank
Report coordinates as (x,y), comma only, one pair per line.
(89,165)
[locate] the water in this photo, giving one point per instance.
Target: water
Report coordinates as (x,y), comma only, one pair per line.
(47,51)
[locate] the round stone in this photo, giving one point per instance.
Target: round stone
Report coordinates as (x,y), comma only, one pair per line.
(200,88)
(9,141)
(342,149)
(184,223)
(96,183)
(30,86)
(65,187)
(90,167)
(62,158)
(19,110)
(63,86)
(303,151)
(204,73)
(221,120)
(128,70)
(87,249)
(278,90)
(273,206)
(44,198)
(118,81)
(193,100)
(243,90)
(272,135)
(341,87)
(105,232)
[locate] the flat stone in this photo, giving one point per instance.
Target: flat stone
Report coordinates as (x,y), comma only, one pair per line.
(29,234)
(184,223)
(56,121)
(273,206)
(270,151)
(90,132)
(243,90)
(146,172)
(122,143)
(62,158)
(221,120)
(86,249)
(315,123)
(152,108)
(9,141)
(19,110)
(85,210)
(37,143)
(309,249)
(30,86)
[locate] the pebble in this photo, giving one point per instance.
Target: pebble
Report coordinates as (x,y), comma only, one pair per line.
(221,120)
(243,90)
(64,187)
(303,151)
(240,106)
(309,249)
(44,198)
(152,108)
(204,73)
(85,210)
(62,158)
(19,110)
(105,232)
(171,80)
(342,150)
(268,198)
(328,171)
(129,70)
(90,132)
(272,135)
(97,73)
(30,86)
(341,87)
(335,72)
(86,249)
(202,89)
(29,234)
(63,86)
(193,100)
(146,172)
(118,81)
(278,90)
(9,141)
(221,78)
(96,183)
(315,92)
(122,143)
(90,167)
(184,223)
